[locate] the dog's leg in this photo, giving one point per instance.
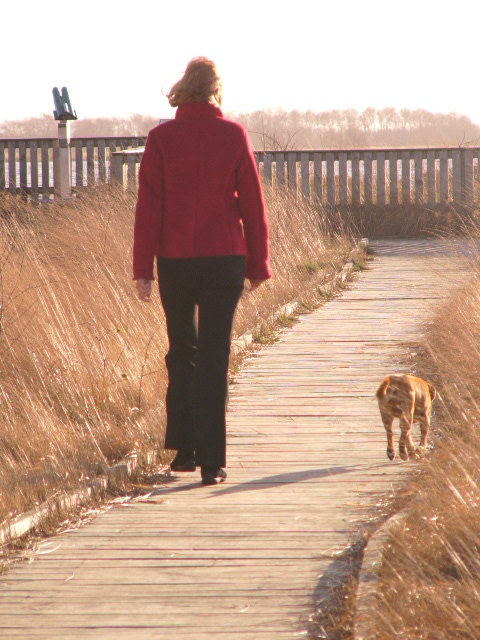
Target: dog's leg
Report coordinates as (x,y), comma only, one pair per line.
(424,426)
(406,443)
(387,420)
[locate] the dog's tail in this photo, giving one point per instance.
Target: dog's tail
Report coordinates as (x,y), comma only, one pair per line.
(382,389)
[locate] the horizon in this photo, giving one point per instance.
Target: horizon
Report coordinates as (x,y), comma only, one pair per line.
(318,56)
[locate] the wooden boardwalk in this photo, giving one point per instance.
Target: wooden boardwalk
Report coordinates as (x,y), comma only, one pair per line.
(248,559)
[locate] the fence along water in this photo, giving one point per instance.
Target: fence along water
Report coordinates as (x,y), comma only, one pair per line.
(335,178)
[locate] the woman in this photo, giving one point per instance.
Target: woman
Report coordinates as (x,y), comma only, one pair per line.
(200,211)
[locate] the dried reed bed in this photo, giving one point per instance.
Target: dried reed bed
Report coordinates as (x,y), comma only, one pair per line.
(82,375)
(430,580)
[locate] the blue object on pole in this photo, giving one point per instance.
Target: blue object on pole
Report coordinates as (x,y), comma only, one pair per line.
(63,107)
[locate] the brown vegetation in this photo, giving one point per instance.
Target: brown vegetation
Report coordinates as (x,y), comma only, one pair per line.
(82,374)
(430,586)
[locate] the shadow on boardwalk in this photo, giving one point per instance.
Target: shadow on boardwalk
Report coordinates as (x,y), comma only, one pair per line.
(257,557)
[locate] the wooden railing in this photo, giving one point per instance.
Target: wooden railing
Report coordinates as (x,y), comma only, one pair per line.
(339,178)
(336,178)
(28,166)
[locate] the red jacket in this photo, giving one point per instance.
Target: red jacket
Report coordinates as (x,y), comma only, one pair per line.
(199,194)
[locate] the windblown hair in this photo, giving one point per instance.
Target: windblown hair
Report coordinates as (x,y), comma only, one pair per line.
(199,83)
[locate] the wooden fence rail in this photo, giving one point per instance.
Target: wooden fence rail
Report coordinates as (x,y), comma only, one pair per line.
(336,178)
(359,177)
(28,167)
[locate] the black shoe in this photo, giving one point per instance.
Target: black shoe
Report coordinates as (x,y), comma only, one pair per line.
(213,477)
(184,461)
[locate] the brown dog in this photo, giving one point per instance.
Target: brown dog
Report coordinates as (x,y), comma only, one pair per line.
(409,399)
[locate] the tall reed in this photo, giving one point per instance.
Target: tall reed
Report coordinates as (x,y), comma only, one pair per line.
(430,581)
(82,374)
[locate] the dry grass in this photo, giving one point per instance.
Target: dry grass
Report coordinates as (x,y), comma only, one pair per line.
(430,581)
(82,375)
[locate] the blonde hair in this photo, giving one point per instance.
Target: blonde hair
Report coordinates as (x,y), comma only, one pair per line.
(199,83)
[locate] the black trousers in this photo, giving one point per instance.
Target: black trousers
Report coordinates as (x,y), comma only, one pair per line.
(199,348)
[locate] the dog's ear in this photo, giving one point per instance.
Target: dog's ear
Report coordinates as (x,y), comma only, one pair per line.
(432,390)
(382,389)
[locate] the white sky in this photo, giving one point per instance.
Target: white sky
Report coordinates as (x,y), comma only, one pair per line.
(116,57)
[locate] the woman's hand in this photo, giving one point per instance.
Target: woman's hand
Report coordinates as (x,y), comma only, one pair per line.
(254,284)
(144,289)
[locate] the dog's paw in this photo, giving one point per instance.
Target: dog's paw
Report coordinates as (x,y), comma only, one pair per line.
(391,454)
(403,454)
(419,451)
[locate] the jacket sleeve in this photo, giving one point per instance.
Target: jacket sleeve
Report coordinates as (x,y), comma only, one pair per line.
(148,212)
(252,210)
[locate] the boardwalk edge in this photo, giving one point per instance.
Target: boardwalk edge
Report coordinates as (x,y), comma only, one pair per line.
(64,502)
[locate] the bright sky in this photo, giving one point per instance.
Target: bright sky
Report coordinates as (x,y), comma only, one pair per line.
(116,57)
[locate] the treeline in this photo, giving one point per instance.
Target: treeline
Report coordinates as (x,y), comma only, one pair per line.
(278,129)
(350,129)
(44,126)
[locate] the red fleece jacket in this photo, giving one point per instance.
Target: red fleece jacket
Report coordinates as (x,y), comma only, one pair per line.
(199,194)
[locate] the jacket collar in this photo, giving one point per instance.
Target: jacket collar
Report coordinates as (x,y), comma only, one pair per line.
(198,108)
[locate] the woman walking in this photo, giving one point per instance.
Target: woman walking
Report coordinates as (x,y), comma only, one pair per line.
(200,211)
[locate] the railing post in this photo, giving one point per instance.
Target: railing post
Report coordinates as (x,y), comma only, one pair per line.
(62,176)
(331,181)
(12,167)
(318,176)
(116,167)
(393,177)
(468,177)
(368,177)
(305,175)
(457,176)
(381,178)
(2,165)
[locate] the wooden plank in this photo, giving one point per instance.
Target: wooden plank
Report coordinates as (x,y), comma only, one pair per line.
(102,173)
(45,163)
(380,178)
(418,164)
(131,171)
(406,186)
(2,165)
(90,163)
(330,180)
(444,191)
(367,176)
(468,191)
(318,176)
(79,164)
(393,177)
(355,160)
(342,178)
(477,177)
(292,171)
(305,175)
(116,168)
(33,167)
(12,167)
(457,160)
(267,169)
(431,177)
(22,161)
(280,169)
